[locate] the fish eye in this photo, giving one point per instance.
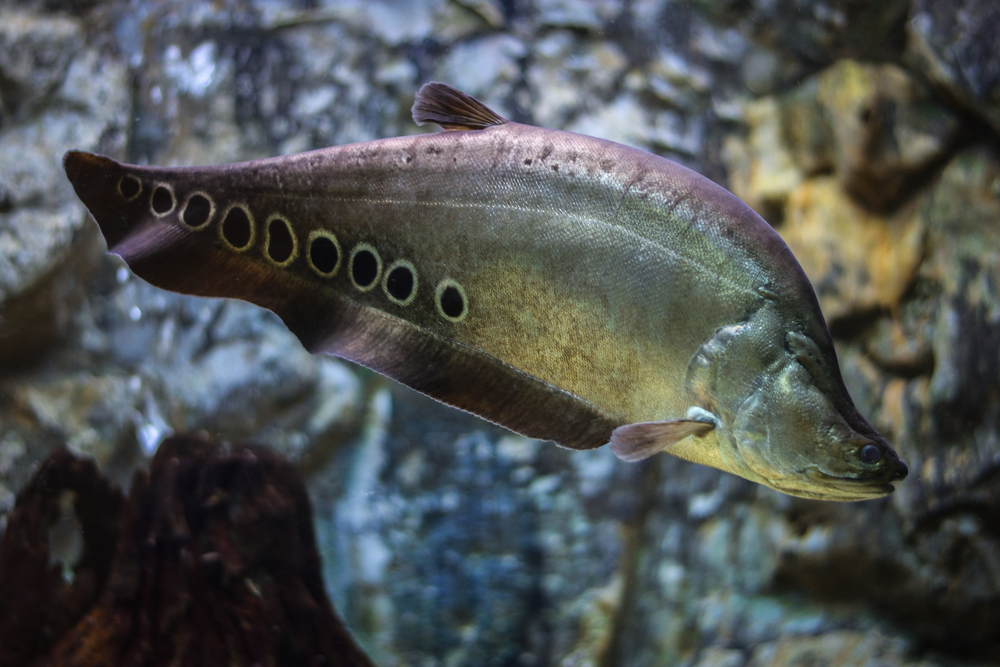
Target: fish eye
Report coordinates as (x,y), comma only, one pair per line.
(870,454)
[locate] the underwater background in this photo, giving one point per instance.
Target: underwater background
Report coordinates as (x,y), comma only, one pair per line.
(865,133)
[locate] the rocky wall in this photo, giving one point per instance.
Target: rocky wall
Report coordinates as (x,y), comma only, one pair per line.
(866,133)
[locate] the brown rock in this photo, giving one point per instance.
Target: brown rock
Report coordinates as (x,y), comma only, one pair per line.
(857,261)
(806,130)
(763,172)
(877,130)
(890,136)
(40,317)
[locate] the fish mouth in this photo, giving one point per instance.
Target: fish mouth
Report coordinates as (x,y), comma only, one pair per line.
(816,485)
(860,487)
(855,488)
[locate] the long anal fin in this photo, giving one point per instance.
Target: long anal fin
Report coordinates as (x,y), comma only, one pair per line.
(635,442)
(452,109)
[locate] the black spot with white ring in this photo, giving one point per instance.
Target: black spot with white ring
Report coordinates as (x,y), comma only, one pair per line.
(365,267)
(198,210)
(237,228)
(451,301)
(163,201)
(324,253)
(129,187)
(400,282)
(280,243)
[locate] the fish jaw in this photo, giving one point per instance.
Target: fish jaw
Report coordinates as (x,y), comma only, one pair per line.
(851,487)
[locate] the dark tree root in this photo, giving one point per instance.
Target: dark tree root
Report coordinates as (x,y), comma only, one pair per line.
(211,560)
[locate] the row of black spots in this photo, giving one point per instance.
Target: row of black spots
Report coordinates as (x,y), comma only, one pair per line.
(364,267)
(238,228)
(399,282)
(196,212)
(238,231)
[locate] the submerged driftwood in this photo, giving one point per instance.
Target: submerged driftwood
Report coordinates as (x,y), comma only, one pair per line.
(211,560)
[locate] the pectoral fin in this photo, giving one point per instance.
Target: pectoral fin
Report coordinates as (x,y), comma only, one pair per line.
(635,442)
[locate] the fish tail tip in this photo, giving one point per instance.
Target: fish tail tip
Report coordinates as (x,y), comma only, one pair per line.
(98,182)
(75,160)
(83,168)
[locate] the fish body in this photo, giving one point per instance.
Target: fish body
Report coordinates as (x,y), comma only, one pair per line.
(566,287)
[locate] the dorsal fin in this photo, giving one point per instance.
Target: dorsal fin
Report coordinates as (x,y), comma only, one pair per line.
(452,109)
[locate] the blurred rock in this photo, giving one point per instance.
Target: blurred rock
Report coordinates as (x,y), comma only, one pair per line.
(230,95)
(396,21)
(185,364)
(857,262)
(571,14)
(35,53)
(837,649)
(625,120)
(763,171)
(890,137)
(36,319)
(676,81)
(461,20)
(87,111)
(91,412)
(563,62)
(879,132)
(491,11)
(947,602)
(476,544)
(952,44)
(964,264)
(903,343)
(488,67)
(56,93)
(720,657)
(805,130)
(807,37)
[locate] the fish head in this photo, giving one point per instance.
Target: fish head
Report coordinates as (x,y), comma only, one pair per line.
(799,432)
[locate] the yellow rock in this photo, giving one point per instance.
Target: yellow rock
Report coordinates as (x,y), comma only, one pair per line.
(762,171)
(890,135)
(857,261)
